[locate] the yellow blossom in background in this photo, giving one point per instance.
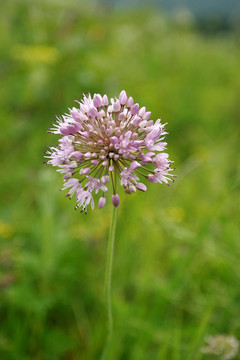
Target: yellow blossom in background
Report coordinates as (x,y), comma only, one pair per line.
(99,229)
(202,154)
(6,230)
(35,53)
(176,213)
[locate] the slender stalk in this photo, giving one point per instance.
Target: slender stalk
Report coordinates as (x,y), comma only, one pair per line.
(108,280)
(108,274)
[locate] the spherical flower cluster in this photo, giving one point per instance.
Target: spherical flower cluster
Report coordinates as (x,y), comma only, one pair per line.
(101,141)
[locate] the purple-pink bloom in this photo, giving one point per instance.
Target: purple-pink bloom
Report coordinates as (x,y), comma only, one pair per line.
(102,138)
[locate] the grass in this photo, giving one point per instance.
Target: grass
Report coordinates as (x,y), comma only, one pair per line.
(176,266)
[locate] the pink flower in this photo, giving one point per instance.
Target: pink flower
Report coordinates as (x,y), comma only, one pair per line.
(101,138)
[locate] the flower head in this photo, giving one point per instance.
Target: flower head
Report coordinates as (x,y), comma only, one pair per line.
(102,140)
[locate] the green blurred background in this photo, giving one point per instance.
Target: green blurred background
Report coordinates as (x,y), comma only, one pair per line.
(176,267)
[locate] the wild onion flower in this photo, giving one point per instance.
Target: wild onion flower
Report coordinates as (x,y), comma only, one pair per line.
(100,139)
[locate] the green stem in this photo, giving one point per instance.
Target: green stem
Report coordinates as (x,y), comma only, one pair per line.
(110,251)
(108,274)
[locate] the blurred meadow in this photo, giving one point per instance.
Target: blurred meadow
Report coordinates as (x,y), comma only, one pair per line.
(176,266)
